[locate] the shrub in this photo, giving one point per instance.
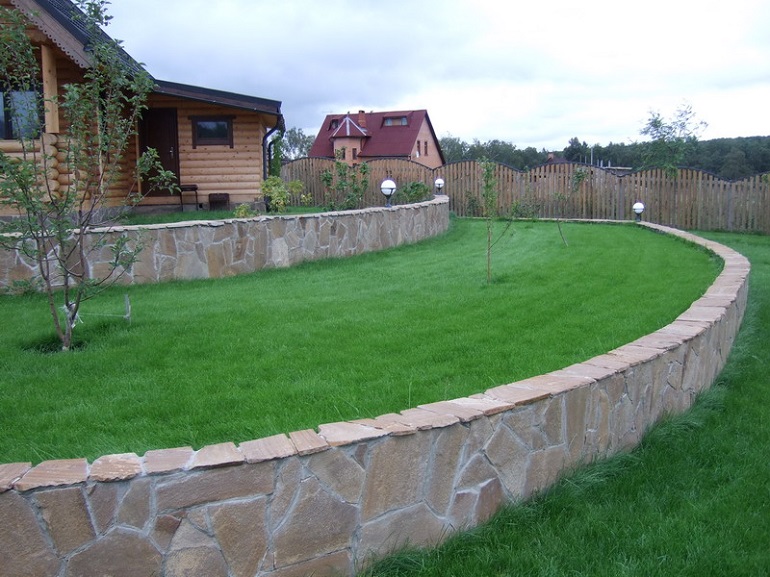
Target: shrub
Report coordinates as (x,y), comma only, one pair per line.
(413,192)
(277,193)
(244,211)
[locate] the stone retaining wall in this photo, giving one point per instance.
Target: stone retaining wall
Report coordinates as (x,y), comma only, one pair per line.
(324,501)
(220,248)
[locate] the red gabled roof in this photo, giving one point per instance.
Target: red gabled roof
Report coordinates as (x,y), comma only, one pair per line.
(383,138)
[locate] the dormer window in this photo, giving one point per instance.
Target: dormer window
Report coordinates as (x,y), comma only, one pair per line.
(395,121)
(334,124)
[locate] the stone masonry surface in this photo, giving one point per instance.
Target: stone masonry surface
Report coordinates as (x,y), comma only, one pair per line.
(325,501)
(221,248)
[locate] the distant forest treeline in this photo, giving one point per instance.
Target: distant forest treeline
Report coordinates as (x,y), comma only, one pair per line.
(728,158)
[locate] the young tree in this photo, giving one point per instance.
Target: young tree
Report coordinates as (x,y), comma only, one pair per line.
(55,218)
(670,138)
(346,185)
(576,181)
(489,198)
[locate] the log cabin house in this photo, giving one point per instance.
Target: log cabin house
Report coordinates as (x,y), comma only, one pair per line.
(405,134)
(215,142)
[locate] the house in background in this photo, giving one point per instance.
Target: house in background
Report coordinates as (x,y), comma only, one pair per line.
(368,135)
(214,141)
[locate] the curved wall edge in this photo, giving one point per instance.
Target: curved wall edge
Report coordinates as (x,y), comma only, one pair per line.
(327,501)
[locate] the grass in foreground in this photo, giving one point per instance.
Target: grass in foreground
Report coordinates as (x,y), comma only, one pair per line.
(281,350)
(692,500)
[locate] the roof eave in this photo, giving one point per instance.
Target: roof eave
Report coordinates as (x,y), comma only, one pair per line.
(47,22)
(210,96)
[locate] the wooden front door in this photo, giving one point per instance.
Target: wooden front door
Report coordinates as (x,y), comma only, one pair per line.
(158,130)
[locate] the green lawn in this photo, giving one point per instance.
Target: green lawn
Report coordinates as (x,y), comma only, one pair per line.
(692,500)
(280,350)
(182,216)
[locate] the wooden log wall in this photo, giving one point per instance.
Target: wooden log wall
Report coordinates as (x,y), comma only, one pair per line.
(217,169)
(689,199)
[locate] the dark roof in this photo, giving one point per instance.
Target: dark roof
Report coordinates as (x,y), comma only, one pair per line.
(69,16)
(384,138)
(220,97)
(66,25)
(55,17)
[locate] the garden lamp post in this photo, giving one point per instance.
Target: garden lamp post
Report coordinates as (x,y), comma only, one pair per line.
(388,187)
(439,185)
(638,209)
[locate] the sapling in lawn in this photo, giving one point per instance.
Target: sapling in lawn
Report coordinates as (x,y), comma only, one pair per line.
(575,183)
(54,218)
(489,207)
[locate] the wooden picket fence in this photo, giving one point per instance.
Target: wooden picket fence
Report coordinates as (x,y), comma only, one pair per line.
(690,199)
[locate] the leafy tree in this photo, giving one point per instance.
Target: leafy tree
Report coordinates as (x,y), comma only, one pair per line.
(531,157)
(735,165)
(670,138)
(296,144)
(453,148)
(55,221)
(707,155)
(576,151)
(619,154)
(494,150)
(719,156)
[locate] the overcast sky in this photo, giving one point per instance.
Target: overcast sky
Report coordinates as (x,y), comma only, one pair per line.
(531,73)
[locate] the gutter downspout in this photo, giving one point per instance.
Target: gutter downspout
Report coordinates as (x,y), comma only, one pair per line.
(267,148)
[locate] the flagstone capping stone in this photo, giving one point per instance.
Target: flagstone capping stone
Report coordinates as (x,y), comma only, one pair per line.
(267,449)
(463,412)
(464,457)
(587,371)
(686,329)
(308,442)
(159,461)
(115,467)
(609,361)
(53,474)
(423,420)
(345,433)
(658,340)
(217,455)
(635,355)
(12,472)
(391,423)
(486,404)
